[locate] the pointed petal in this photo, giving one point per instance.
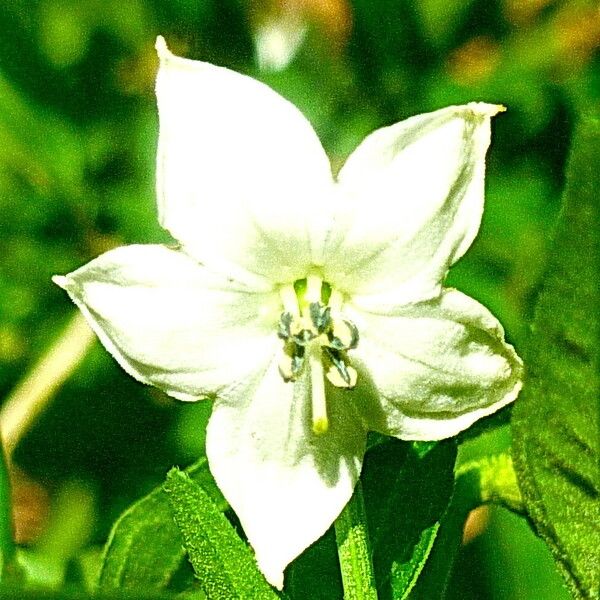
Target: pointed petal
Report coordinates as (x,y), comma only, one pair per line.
(437,368)
(171,323)
(414,202)
(241,174)
(286,484)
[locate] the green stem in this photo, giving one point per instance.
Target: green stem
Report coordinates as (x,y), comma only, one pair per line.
(353,550)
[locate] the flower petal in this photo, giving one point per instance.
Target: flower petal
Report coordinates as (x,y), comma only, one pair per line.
(171,323)
(286,484)
(241,174)
(414,202)
(437,368)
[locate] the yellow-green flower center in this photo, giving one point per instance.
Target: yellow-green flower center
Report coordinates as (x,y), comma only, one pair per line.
(314,332)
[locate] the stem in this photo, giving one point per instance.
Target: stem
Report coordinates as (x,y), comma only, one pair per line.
(33,393)
(353,550)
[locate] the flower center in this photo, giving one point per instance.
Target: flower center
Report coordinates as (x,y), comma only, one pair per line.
(314,332)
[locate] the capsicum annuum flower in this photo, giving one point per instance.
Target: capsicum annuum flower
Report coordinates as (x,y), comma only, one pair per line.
(310,309)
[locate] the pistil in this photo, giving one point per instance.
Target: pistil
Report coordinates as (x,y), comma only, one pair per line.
(320,422)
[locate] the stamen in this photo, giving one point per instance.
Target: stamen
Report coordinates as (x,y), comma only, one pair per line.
(316,334)
(289,300)
(320,318)
(291,362)
(317,384)
(344,378)
(284,326)
(339,372)
(286,366)
(313,288)
(344,335)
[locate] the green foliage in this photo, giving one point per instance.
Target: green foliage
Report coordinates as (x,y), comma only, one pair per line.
(556,421)
(7,548)
(435,574)
(441,18)
(315,574)
(351,532)
(407,490)
(12,593)
(223,563)
(144,550)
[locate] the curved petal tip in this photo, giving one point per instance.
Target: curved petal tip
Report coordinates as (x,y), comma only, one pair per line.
(161,48)
(61,281)
(273,573)
(485,109)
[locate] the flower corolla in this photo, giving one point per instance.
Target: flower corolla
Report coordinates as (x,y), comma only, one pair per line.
(311,309)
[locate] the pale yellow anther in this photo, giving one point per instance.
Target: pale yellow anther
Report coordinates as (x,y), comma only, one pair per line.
(317,384)
(343,332)
(336,379)
(289,299)
(286,366)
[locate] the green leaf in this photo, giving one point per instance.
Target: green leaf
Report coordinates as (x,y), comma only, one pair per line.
(40,147)
(315,574)
(484,478)
(354,549)
(555,422)
(144,549)
(441,18)
(7,547)
(33,593)
(436,571)
(407,489)
(223,563)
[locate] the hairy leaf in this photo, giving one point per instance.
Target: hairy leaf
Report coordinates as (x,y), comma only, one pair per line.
(223,563)
(555,422)
(144,549)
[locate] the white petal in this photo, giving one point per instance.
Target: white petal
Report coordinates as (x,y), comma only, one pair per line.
(437,368)
(286,484)
(241,174)
(171,323)
(414,197)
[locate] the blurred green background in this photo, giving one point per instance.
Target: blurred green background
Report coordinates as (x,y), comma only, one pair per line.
(78,129)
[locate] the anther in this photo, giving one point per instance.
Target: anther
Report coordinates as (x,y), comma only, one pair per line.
(317,334)
(343,335)
(339,373)
(321,318)
(284,326)
(291,362)
(335,377)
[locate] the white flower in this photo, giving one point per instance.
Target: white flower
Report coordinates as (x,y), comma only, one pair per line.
(310,310)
